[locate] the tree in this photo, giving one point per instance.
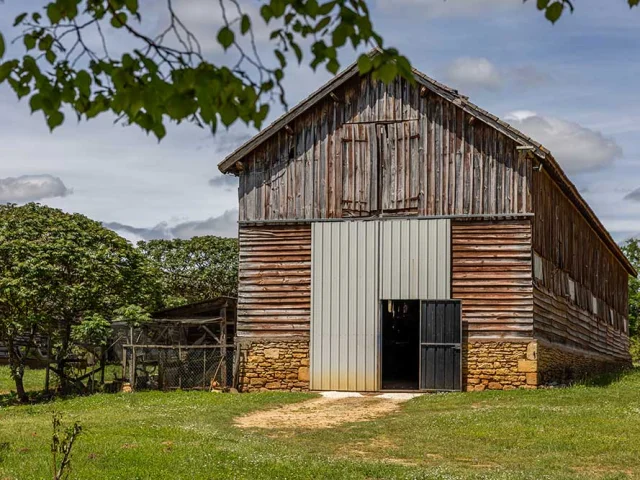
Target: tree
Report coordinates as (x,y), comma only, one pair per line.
(197,269)
(166,76)
(60,270)
(631,249)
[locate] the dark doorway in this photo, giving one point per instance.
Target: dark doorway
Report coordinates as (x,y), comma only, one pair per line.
(400,344)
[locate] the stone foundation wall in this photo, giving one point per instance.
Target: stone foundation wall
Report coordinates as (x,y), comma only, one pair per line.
(562,364)
(499,365)
(274,365)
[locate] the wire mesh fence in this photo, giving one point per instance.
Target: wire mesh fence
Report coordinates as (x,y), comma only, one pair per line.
(160,367)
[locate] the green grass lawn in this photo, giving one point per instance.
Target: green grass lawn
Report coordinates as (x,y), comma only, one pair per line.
(580,432)
(34,378)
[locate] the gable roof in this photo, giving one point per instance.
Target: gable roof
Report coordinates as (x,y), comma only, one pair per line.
(544,155)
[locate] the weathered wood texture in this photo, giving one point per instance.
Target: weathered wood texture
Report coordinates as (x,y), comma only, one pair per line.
(384,148)
(560,319)
(581,294)
(274,293)
(492,276)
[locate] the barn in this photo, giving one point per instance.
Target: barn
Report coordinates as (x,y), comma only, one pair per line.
(398,237)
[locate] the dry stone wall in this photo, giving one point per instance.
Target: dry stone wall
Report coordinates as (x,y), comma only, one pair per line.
(274,365)
(500,365)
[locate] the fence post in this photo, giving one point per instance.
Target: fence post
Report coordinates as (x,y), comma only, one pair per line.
(133,368)
(223,350)
(204,368)
(180,367)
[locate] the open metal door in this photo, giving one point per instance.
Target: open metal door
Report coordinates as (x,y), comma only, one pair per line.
(440,345)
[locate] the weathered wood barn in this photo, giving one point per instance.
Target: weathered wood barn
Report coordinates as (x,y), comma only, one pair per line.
(400,237)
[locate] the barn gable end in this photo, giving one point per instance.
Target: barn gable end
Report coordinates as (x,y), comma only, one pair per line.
(404,156)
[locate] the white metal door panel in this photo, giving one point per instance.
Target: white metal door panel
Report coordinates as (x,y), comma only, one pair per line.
(344,306)
(415,259)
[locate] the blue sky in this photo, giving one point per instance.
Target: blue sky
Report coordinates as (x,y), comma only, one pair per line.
(572,86)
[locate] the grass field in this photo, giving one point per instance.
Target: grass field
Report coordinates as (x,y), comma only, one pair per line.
(580,432)
(34,378)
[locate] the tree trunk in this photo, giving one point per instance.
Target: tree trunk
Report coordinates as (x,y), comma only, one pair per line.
(62,357)
(17,370)
(103,361)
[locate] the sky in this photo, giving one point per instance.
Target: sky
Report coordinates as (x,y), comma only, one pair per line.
(571,86)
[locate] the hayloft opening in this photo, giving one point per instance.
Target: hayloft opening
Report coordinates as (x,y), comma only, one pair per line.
(400,344)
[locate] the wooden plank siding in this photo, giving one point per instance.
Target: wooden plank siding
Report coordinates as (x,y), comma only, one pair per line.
(492,276)
(384,149)
(274,293)
(580,294)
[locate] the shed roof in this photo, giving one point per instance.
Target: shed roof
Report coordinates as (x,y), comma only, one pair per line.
(545,156)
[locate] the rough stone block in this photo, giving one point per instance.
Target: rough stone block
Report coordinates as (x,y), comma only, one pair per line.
(532,379)
(494,386)
(532,351)
(272,353)
(303,374)
(527,366)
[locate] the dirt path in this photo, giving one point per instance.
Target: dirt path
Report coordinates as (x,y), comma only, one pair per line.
(325,412)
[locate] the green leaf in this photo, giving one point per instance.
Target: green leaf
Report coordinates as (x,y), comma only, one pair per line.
(634,3)
(2,46)
(281,59)
(19,19)
(50,56)
(312,8)
(245,24)
(45,43)
(266,13)
(119,20)
(35,102)
(554,11)
(326,8)
(54,13)
(323,23)
(542,4)
(364,64)
(55,119)
(159,131)
(29,41)
(226,37)
(297,50)
(340,34)
(83,82)
(132,5)
(387,72)
(333,66)
(5,69)
(228,114)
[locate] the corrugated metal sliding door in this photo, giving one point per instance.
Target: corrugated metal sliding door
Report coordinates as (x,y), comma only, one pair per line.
(440,345)
(344,306)
(415,259)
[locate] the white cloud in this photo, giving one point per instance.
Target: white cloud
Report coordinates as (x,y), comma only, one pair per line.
(225,225)
(468,72)
(31,188)
(577,148)
(449,8)
(227,182)
(528,76)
